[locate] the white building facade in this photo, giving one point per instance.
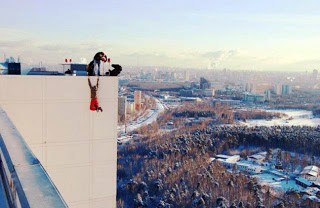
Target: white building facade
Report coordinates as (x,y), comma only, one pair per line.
(76,146)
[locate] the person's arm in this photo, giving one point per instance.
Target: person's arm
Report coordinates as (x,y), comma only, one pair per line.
(89,83)
(97,83)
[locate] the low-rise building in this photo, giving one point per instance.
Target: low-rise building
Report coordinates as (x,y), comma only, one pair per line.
(310,172)
(228,158)
(253,98)
(253,169)
(258,158)
(233,161)
(190,99)
(311,191)
(303,182)
(226,102)
(208,92)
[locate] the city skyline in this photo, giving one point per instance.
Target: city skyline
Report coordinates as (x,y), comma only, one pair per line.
(245,35)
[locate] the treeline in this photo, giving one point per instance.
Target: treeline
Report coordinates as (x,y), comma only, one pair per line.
(300,139)
(256,114)
(195,114)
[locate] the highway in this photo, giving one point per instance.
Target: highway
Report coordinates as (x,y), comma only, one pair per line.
(150,117)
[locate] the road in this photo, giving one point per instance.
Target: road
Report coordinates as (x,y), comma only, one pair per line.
(151,116)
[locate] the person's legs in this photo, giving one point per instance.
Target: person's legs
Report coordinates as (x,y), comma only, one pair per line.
(93,104)
(97,105)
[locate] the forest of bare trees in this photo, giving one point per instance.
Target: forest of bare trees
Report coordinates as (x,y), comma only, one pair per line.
(173,169)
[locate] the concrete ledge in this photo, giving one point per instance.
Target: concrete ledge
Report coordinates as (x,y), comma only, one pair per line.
(25,181)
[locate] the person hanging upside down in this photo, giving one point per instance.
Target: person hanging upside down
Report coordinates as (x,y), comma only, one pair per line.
(94,104)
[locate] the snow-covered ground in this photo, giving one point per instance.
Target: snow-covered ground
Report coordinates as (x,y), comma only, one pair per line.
(295,118)
(150,117)
(270,179)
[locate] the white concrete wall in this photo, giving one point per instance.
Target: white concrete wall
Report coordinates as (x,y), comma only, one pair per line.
(77,147)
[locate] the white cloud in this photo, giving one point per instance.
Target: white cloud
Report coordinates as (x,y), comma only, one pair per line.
(214,58)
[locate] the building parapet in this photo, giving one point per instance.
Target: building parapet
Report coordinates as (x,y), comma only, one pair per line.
(25,182)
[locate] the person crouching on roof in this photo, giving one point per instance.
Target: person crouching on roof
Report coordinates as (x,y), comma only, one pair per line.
(94,104)
(93,67)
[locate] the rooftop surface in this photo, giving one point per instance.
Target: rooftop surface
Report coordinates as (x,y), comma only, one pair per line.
(32,186)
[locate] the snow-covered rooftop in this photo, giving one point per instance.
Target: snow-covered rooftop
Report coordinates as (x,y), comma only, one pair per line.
(304,181)
(311,170)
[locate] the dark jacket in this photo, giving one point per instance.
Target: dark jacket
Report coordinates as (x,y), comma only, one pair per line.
(90,66)
(116,70)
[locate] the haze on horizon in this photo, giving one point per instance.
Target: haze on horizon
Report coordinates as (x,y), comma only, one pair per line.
(246,34)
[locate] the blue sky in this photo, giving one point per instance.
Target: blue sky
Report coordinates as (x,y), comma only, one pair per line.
(236,34)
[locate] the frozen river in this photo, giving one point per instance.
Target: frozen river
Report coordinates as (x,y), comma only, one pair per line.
(294,118)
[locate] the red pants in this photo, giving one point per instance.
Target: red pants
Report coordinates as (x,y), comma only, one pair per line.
(94,105)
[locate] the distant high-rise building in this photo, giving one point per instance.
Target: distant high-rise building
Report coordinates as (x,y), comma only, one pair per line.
(11,59)
(173,76)
(286,89)
(167,76)
(208,93)
(122,108)
(130,107)
(315,74)
(137,100)
(186,76)
(267,95)
(204,83)
(159,76)
(142,75)
(277,88)
(250,87)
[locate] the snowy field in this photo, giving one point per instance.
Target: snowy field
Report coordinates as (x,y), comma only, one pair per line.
(268,179)
(299,118)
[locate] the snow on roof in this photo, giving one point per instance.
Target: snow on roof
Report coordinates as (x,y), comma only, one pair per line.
(212,159)
(259,155)
(248,165)
(304,181)
(223,156)
(312,198)
(311,190)
(310,170)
